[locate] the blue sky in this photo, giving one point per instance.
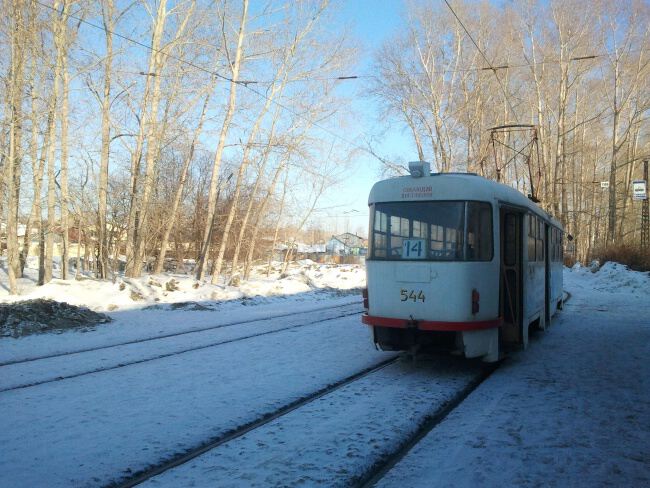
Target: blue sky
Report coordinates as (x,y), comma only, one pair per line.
(371,23)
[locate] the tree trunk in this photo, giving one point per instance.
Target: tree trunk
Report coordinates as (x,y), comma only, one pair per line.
(65,119)
(108,12)
(214,179)
(611,227)
(51,161)
(38,163)
(15,157)
(277,222)
(261,211)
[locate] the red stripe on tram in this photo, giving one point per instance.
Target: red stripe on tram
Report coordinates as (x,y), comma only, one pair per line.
(376,321)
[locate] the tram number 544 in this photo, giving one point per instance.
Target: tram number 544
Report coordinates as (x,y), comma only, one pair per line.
(411,295)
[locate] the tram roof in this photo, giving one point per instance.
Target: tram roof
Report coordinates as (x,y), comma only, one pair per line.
(451,186)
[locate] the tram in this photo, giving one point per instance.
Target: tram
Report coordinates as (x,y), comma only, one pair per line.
(459,262)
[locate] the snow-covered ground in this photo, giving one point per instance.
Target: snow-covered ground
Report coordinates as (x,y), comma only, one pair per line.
(572,410)
(159,291)
(93,429)
(335,439)
(144,307)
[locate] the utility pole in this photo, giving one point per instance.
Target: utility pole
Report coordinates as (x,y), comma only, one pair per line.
(644,211)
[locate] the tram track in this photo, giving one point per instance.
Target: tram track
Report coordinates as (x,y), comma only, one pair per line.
(171,334)
(174,353)
(238,432)
(336,431)
(380,468)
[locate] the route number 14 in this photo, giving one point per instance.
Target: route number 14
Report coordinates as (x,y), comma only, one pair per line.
(414,249)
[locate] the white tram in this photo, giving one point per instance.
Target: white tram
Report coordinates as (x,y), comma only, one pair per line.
(458,262)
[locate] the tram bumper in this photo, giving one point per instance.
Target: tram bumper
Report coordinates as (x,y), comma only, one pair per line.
(479,338)
(430,325)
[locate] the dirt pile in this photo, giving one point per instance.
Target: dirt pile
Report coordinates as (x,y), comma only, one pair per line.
(29,317)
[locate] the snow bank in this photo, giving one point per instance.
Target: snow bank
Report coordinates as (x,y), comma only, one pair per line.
(610,278)
(158,291)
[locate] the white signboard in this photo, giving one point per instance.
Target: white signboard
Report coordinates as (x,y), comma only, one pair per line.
(639,191)
(414,249)
(604,184)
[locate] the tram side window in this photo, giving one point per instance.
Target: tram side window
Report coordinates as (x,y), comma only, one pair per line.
(419,229)
(479,231)
(446,243)
(510,236)
(437,237)
(555,246)
(446,226)
(552,247)
(532,238)
(540,240)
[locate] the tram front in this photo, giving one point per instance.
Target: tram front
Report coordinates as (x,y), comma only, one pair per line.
(432,276)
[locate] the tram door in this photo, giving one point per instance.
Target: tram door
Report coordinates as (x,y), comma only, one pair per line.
(547,274)
(510,290)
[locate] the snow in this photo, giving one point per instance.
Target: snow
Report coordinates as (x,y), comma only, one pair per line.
(335,446)
(573,409)
(90,430)
(54,368)
(306,286)
(156,290)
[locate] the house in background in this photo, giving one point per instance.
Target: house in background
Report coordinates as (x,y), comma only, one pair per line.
(347,244)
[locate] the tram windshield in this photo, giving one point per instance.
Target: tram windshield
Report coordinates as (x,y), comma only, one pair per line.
(431,231)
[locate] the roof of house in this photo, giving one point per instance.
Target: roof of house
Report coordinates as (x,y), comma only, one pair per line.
(350,240)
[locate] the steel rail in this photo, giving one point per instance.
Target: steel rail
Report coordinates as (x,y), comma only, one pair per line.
(379,469)
(175,353)
(171,334)
(179,459)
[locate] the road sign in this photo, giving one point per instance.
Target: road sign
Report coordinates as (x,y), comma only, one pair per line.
(639,191)
(604,184)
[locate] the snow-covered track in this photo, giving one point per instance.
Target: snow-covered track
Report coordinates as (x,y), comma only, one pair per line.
(183,458)
(14,379)
(173,334)
(101,428)
(379,469)
(340,438)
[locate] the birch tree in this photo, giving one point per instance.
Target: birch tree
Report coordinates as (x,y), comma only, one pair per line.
(18,25)
(234,63)
(626,30)
(150,133)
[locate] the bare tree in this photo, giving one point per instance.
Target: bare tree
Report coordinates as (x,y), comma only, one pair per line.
(18,37)
(108,21)
(171,220)
(629,67)
(234,65)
